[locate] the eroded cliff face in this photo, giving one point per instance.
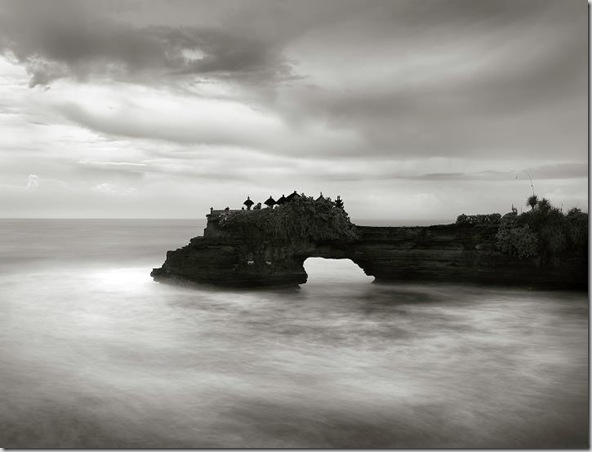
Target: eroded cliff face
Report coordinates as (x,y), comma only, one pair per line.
(232,262)
(458,253)
(448,253)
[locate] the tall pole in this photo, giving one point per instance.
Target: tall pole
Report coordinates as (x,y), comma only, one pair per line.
(531,183)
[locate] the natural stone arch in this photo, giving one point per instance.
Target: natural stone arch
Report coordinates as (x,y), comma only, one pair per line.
(458,253)
(334,269)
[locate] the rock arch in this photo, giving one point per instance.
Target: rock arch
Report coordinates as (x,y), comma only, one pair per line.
(453,253)
(335,269)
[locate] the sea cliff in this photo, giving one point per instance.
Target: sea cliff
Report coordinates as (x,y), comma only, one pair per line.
(460,253)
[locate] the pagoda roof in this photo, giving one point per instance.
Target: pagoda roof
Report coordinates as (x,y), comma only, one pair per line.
(281,200)
(248,202)
(291,196)
(270,201)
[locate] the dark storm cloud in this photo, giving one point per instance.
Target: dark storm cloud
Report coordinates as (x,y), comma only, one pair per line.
(488,79)
(521,85)
(63,38)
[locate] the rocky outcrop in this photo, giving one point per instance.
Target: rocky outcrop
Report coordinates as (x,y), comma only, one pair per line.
(458,253)
(449,253)
(231,262)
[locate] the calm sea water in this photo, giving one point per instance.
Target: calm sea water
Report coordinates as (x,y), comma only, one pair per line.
(95,354)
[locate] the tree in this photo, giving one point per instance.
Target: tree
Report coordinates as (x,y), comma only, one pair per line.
(532,201)
(518,242)
(544,231)
(544,205)
(577,228)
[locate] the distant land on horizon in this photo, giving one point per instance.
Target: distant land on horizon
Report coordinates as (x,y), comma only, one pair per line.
(361,222)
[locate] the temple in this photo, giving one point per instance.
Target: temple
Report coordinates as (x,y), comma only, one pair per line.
(249,203)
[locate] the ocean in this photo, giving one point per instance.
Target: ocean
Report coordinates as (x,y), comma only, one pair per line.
(96,355)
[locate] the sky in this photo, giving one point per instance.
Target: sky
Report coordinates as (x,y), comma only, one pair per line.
(407,109)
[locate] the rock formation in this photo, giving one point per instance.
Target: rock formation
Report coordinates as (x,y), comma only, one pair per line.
(460,253)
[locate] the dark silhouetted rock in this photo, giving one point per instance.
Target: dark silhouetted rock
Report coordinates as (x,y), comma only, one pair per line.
(461,253)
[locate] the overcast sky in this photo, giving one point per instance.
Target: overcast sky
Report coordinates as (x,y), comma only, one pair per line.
(408,109)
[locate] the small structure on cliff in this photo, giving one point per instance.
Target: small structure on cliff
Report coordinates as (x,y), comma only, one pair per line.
(248,203)
(270,202)
(292,196)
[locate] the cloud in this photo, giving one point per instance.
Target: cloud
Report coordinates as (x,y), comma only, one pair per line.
(169,118)
(112,189)
(435,78)
(146,113)
(32,182)
(104,188)
(416,172)
(66,39)
(495,78)
(410,103)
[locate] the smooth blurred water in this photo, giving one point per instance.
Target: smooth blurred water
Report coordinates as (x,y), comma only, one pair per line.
(95,354)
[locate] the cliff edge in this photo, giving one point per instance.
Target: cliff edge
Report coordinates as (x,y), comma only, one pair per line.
(268,247)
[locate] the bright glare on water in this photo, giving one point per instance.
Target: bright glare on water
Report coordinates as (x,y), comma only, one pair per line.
(95,354)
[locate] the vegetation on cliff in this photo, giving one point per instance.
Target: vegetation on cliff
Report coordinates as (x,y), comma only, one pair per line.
(490,219)
(303,218)
(544,231)
(515,240)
